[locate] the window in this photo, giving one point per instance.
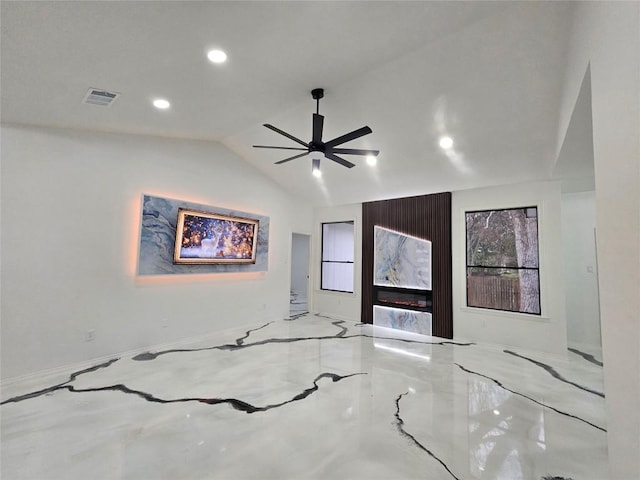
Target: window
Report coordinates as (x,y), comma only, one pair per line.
(502,260)
(337,257)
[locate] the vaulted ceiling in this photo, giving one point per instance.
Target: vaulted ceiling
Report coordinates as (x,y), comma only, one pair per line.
(487,74)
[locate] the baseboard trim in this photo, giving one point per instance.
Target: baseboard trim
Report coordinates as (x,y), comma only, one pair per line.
(65,370)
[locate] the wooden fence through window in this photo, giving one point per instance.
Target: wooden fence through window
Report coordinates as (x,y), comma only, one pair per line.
(493,292)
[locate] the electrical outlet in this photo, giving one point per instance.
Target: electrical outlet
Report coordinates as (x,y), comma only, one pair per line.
(90,336)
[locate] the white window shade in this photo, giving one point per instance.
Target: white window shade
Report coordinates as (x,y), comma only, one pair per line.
(337,276)
(337,256)
(337,242)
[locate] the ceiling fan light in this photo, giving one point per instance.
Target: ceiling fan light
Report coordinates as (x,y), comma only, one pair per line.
(315,167)
(371,160)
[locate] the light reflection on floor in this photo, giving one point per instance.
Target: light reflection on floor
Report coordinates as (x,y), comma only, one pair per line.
(310,397)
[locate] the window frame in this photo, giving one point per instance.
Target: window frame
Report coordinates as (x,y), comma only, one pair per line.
(323,261)
(537,269)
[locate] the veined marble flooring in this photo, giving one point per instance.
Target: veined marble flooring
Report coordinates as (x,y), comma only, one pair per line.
(311,398)
(298,304)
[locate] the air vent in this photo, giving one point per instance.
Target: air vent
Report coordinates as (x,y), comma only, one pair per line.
(101,98)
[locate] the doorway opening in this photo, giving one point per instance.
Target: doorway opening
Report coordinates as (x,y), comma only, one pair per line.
(299,291)
(575,167)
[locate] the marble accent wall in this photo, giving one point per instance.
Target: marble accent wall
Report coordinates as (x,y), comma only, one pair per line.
(158,233)
(401,260)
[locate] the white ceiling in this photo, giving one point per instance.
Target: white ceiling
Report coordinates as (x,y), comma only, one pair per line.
(489,74)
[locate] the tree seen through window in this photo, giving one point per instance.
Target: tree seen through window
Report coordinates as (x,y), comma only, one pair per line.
(502,260)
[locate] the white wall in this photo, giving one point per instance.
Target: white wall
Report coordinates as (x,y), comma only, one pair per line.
(70,226)
(337,304)
(605,36)
(545,333)
(581,270)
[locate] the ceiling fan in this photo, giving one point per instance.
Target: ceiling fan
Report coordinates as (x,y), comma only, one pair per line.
(316,147)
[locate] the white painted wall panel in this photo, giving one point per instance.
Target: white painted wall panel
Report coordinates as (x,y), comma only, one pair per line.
(70,225)
(546,333)
(606,37)
(337,304)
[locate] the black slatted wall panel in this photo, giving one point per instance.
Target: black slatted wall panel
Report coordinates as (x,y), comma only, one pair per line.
(426,216)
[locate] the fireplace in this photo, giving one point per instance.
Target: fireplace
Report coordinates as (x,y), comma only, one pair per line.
(403,308)
(410,299)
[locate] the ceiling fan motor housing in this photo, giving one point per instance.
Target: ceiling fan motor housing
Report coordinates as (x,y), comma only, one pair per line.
(316,147)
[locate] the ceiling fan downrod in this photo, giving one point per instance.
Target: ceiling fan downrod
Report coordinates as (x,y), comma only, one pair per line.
(317,94)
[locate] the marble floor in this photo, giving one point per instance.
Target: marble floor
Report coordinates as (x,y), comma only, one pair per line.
(297,303)
(311,397)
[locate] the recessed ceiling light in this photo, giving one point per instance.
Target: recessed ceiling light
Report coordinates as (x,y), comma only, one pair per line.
(446,142)
(217,56)
(161,103)
(371,160)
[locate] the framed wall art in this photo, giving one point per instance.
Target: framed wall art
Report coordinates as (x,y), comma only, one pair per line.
(211,238)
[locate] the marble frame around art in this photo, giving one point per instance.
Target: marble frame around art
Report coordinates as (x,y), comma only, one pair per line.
(158,228)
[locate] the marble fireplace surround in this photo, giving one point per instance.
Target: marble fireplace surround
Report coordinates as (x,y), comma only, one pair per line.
(402,296)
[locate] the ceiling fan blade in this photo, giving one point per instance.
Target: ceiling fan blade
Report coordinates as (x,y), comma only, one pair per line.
(339,160)
(280,148)
(291,158)
(282,132)
(354,151)
(318,122)
(349,136)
